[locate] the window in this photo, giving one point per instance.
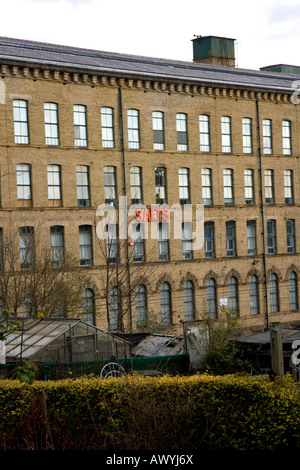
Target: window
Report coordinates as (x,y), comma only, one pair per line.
(51,123)
(271,236)
(251,237)
(209,239)
(24,182)
(228,186)
(136,185)
(230,238)
(85,245)
(204,133)
(112,246)
(140,306)
(138,243)
(288,186)
(184,186)
(188,296)
(187,240)
(293,291)
(110,185)
(21,130)
(133,129)
(233,296)
(269,186)
(83,186)
(249,186)
(165,303)
(160,185)
(163,241)
(80,127)
(113,308)
(267,136)
(181,128)
(107,125)
(158,130)
(226,134)
(57,244)
(286,137)
(88,307)
(26,240)
(274,300)
(253,291)
(54,182)
(211,298)
(247,135)
(206,181)
(290,236)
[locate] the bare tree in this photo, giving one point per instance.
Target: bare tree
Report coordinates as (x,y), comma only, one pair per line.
(37,278)
(128,269)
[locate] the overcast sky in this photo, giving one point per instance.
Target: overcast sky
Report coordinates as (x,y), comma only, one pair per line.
(267,32)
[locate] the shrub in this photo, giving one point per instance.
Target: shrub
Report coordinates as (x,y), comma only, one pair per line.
(147,413)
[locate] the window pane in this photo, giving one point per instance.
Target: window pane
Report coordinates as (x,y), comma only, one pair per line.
(226,134)
(80,129)
(85,245)
(286,137)
(20,122)
(133,129)
(54,185)
(247,135)
(204,133)
(267,136)
(188,293)
(181,128)
(107,127)
(23,181)
(165,303)
(51,123)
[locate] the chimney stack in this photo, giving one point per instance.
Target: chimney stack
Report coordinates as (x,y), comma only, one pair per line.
(214,50)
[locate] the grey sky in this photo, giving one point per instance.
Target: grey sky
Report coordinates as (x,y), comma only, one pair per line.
(266,32)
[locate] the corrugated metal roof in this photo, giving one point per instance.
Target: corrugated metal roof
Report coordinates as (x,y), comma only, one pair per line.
(288,336)
(21,52)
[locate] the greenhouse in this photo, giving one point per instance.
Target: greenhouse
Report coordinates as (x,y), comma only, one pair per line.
(62,340)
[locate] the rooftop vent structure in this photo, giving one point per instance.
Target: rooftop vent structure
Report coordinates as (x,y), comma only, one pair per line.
(214,50)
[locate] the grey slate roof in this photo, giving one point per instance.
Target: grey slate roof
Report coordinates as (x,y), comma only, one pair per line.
(36,54)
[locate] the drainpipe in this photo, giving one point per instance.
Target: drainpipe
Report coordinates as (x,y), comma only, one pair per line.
(125,194)
(262,214)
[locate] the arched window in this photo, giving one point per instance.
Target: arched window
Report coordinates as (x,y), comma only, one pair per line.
(88,307)
(253,290)
(113,308)
(211,298)
(165,303)
(140,305)
(274,300)
(293,291)
(233,296)
(189,307)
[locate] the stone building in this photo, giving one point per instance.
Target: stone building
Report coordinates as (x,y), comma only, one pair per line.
(83,128)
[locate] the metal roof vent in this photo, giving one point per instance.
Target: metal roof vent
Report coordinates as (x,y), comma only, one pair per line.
(214,50)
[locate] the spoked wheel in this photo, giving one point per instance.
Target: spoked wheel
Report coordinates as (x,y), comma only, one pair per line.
(112,369)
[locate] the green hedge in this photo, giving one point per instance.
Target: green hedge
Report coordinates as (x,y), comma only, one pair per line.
(147,413)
